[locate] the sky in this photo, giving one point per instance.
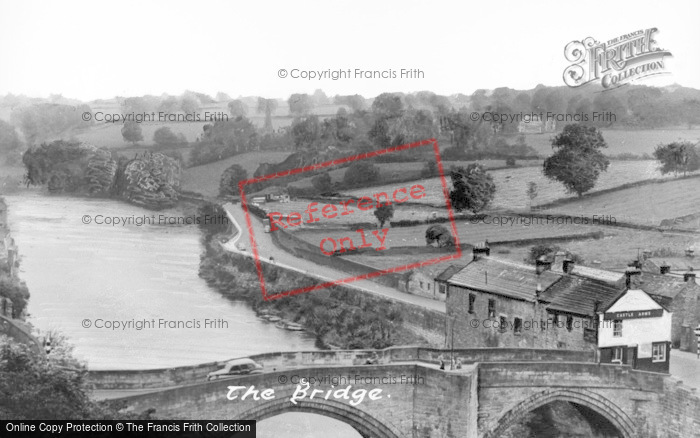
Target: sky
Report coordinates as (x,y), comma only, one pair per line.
(98,49)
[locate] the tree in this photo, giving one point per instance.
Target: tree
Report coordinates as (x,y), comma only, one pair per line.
(131,132)
(361,172)
(10,143)
(578,161)
(164,136)
(169,105)
(355,102)
(222,97)
(237,108)
(439,234)
(320,98)
(306,131)
(387,105)
(322,182)
(531,191)
(384,213)
(676,157)
(34,386)
(473,188)
(300,104)
(430,169)
(267,107)
(228,185)
(16,292)
(189,104)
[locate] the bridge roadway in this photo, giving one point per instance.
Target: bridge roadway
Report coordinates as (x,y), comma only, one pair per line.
(413,398)
(266,248)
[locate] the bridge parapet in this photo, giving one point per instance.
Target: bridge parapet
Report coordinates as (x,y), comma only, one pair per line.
(165,377)
(568,374)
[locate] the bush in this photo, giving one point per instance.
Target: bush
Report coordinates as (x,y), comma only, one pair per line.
(361,172)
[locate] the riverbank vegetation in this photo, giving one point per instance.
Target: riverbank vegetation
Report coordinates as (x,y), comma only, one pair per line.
(337,316)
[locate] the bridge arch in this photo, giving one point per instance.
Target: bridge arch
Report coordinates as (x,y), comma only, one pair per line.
(591,400)
(365,424)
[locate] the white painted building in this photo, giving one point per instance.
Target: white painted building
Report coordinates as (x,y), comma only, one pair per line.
(635,330)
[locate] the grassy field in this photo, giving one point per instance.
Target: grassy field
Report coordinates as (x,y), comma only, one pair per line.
(205,179)
(618,247)
(403,171)
(511,184)
(636,142)
(615,250)
(647,205)
(110,135)
(468,233)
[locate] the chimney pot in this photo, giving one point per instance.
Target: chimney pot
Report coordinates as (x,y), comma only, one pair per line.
(568,265)
(629,272)
(481,248)
(664,269)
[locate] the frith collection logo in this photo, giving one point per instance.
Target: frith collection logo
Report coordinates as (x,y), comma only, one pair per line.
(616,62)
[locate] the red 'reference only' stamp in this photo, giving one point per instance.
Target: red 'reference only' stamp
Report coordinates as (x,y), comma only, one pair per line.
(315,213)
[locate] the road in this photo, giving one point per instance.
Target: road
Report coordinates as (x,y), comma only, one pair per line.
(267,248)
(686,367)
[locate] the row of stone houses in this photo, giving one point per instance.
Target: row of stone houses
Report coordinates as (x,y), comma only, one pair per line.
(492,302)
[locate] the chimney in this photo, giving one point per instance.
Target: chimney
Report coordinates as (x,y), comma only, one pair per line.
(689,276)
(542,264)
(635,264)
(480,248)
(538,291)
(568,265)
(629,272)
(664,269)
(559,259)
(596,306)
(689,252)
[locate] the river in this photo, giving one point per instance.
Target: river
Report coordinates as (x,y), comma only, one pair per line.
(79,272)
(94,274)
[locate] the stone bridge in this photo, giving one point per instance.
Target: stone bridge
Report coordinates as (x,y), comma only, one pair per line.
(413,398)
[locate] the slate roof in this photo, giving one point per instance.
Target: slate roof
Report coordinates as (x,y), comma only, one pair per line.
(448,273)
(578,295)
(677,264)
(502,277)
(598,274)
(661,285)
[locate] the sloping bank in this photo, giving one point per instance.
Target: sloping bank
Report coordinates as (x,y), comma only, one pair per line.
(13,292)
(337,316)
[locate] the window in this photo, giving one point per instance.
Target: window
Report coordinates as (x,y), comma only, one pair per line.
(421,284)
(555,320)
(502,324)
(569,323)
(518,326)
(617,355)
(658,352)
(428,286)
(543,325)
(472,298)
(442,288)
(492,308)
(617,328)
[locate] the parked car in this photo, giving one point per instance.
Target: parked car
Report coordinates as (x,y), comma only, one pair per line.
(236,367)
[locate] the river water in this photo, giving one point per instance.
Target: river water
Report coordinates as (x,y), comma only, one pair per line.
(89,274)
(79,272)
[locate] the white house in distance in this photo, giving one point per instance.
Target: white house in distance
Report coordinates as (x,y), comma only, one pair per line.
(635,330)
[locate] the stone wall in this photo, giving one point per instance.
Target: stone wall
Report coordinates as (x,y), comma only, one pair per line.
(159,378)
